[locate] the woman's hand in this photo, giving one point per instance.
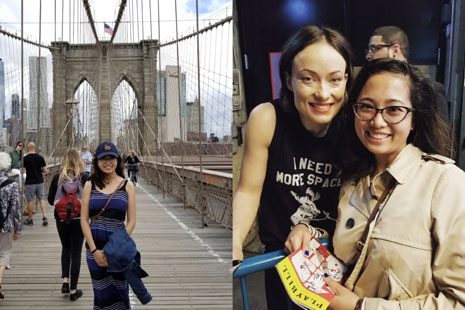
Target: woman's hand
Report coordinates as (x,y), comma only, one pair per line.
(16,236)
(299,237)
(100,258)
(344,299)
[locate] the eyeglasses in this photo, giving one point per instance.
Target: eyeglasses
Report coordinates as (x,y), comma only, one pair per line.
(107,159)
(391,115)
(376,47)
(20,145)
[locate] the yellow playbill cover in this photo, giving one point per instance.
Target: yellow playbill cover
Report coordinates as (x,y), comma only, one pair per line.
(303,276)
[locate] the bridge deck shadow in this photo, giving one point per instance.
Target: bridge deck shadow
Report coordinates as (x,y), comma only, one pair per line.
(188,265)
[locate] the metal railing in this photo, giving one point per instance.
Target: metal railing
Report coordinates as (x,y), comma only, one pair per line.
(216,200)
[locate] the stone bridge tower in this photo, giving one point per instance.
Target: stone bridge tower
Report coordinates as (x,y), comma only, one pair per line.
(104,66)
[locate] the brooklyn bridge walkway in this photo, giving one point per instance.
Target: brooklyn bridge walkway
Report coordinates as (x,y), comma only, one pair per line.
(188,265)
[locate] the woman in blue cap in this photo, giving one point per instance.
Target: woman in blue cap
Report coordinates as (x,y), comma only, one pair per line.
(107,200)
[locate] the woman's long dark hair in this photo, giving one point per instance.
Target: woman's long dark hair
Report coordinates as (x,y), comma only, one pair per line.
(98,176)
(431,132)
(299,41)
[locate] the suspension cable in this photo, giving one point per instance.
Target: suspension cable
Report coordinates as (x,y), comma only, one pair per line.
(91,20)
(122,6)
(179,100)
(199,111)
(21,38)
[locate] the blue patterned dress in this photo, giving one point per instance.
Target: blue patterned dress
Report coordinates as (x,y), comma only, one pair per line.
(110,289)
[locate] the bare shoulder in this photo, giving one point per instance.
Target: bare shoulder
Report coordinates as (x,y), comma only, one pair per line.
(88,185)
(261,123)
(265,112)
(130,185)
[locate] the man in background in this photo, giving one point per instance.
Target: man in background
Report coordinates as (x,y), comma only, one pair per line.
(392,42)
(16,156)
(86,158)
(34,186)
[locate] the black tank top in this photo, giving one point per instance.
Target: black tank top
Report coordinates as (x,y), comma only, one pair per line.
(301,169)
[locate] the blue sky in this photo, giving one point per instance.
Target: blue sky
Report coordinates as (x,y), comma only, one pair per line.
(206,6)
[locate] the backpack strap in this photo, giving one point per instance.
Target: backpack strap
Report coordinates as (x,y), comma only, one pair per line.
(6,182)
(108,201)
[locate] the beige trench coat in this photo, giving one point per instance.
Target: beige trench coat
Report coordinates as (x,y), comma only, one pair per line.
(416,252)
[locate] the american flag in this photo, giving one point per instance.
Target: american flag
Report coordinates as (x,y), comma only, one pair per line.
(107,28)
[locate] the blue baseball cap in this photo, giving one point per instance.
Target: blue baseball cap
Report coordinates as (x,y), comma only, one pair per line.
(106,148)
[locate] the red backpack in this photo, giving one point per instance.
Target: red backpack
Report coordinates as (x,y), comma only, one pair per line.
(69,206)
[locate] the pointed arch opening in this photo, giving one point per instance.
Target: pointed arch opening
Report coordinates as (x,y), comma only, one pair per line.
(124,124)
(85,116)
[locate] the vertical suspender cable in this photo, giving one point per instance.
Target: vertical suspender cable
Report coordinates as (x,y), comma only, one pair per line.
(142,15)
(137,14)
(22,96)
(202,207)
(133,38)
(160,126)
(78,24)
(150,16)
(55,20)
(69,23)
(179,100)
(39,78)
(62,18)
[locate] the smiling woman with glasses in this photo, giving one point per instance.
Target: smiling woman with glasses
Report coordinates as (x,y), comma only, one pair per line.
(108,204)
(402,206)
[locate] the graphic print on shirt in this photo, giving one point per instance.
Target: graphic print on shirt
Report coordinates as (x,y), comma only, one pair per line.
(319,176)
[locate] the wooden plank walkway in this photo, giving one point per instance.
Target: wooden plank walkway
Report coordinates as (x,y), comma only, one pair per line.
(188,265)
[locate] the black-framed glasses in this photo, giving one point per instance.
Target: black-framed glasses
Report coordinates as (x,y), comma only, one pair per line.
(391,115)
(107,159)
(376,47)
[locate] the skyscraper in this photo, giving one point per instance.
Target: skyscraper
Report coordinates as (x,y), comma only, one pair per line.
(38,97)
(2,92)
(168,105)
(15,108)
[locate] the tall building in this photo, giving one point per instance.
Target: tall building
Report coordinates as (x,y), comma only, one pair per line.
(2,92)
(13,124)
(169,113)
(194,115)
(2,100)
(38,97)
(15,108)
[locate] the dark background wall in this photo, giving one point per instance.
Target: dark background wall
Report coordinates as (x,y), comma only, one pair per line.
(265,25)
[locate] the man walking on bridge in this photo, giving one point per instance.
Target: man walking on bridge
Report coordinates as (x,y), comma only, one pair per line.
(34,185)
(86,158)
(17,162)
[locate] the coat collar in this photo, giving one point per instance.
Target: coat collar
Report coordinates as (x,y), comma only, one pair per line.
(405,164)
(369,188)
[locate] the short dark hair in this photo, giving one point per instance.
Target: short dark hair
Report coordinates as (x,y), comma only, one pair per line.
(394,35)
(300,40)
(98,176)
(431,132)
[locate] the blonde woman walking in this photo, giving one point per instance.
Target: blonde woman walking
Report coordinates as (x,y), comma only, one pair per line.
(69,182)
